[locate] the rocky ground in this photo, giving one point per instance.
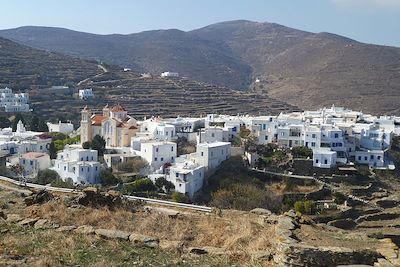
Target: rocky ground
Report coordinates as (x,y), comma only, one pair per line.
(101,229)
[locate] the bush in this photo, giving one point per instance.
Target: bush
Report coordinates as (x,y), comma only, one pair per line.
(309,207)
(134,165)
(62,183)
(302,152)
(86,145)
(108,178)
(179,197)
(245,197)
(140,185)
(164,185)
(299,206)
(339,198)
(47,176)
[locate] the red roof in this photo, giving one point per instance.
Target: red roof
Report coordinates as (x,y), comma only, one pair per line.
(97,119)
(117,108)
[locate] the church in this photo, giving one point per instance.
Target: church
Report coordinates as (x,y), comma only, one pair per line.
(114,125)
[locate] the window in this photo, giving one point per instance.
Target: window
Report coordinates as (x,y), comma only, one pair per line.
(81,169)
(266,137)
(372,157)
(65,168)
(212,153)
(202,154)
(264,126)
(378,157)
(81,159)
(155,159)
(336,135)
(316,161)
(325,161)
(96,168)
(313,135)
(157,149)
(162,159)
(359,158)
(313,144)
(176,175)
(31,162)
(172,158)
(87,158)
(92,158)
(212,135)
(166,133)
(365,158)
(172,148)
(23,161)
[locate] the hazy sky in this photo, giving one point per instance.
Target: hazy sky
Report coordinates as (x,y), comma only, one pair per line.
(371,21)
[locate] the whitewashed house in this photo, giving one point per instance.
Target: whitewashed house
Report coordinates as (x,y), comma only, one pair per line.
(86,94)
(32,163)
(324,158)
(187,177)
(291,136)
(372,158)
(213,134)
(61,127)
(158,153)
(211,155)
(78,165)
(11,102)
(169,74)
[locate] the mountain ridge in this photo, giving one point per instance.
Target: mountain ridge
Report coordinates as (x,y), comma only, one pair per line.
(305,69)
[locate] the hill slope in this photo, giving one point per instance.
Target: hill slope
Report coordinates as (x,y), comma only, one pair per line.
(305,69)
(22,67)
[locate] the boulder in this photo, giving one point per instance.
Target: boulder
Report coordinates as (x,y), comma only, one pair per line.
(27,222)
(3,215)
(92,197)
(38,197)
(143,240)
(169,212)
(13,218)
(85,229)
(261,211)
(171,245)
(45,224)
(112,234)
(68,228)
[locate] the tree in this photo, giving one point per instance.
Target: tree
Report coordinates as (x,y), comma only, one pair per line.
(86,145)
(302,152)
(99,144)
(62,183)
(135,165)
(19,171)
(52,151)
(34,124)
(163,184)
(107,178)
(42,126)
(47,176)
(140,185)
(179,197)
(4,122)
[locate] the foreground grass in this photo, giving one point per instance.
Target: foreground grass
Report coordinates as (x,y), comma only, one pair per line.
(29,247)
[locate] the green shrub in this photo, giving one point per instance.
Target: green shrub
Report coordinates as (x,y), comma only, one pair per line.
(302,152)
(139,185)
(108,178)
(62,183)
(299,207)
(47,176)
(309,207)
(179,197)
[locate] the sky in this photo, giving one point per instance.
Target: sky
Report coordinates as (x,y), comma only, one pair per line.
(369,21)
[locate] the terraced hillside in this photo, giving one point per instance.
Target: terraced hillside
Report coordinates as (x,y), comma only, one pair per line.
(22,67)
(156,96)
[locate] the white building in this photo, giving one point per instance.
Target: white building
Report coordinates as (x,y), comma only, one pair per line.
(86,94)
(187,177)
(157,153)
(156,129)
(324,158)
(61,127)
(33,162)
(11,102)
(372,158)
(211,155)
(168,74)
(212,134)
(78,165)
